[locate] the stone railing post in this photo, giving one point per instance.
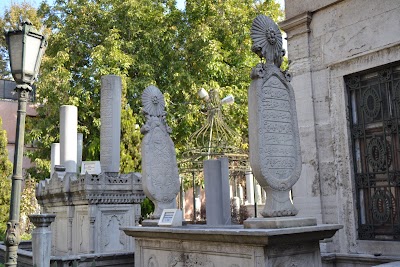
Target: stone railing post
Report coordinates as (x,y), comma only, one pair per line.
(41,239)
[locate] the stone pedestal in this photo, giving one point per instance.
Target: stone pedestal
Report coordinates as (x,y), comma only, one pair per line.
(229,246)
(90,210)
(216,181)
(278,222)
(41,239)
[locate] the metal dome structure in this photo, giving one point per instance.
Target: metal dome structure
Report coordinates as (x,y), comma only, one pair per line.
(214,139)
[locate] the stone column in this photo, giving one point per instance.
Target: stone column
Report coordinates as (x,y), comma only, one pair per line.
(249,187)
(79,151)
(241,193)
(55,157)
(41,239)
(308,94)
(110,130)
(258,195)
(68,137)
(197,209)
(216,181)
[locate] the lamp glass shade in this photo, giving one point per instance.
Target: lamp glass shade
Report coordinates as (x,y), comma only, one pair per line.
(15,49)
(31,54)
(228,100)
(26,47)
(203,94)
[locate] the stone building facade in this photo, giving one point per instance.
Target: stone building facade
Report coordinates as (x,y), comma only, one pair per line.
(345,62)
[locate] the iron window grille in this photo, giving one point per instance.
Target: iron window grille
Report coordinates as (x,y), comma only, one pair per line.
(374,105)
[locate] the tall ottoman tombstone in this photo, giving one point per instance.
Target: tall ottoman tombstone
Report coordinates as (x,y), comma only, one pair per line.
(159,167)
(275,154)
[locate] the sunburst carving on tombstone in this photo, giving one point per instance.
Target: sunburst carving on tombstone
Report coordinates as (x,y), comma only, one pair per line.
(153,101)
(267,39)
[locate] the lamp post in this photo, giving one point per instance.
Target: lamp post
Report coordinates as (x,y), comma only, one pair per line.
(25,47)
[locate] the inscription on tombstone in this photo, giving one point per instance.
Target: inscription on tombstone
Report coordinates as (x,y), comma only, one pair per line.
(274,136)
(110,129)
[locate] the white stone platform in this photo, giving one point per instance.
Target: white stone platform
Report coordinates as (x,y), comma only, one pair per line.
(231,246)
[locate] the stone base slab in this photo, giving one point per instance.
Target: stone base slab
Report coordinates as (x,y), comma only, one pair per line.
(150,223)
(229,246)
(278,222)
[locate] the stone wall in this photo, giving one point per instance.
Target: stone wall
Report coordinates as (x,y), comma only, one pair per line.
(326,41)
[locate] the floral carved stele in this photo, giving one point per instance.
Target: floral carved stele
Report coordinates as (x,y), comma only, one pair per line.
(275,154)
(159,166)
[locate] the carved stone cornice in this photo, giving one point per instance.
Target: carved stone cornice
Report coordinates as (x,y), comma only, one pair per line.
(297,25)
(105,188)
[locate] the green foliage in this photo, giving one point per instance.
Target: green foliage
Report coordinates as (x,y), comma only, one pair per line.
(147,208)
(145,42)
(5,181)
(29,205)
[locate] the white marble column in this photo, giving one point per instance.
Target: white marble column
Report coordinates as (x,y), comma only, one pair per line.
(241,193)
(55,157)
(110,130)
(249,187)
(68,137)
(258,194)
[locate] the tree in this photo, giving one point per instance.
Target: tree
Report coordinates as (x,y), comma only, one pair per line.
(218,52)
(5,181)
(145,42)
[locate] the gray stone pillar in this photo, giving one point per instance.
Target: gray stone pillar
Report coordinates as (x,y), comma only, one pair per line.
(79,151)
(55,157)
(110,130)
(41,239)
(68,137)
(216,180)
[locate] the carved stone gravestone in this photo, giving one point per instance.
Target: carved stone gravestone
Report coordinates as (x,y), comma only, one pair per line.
(275,154)
(110,110)
(159,166)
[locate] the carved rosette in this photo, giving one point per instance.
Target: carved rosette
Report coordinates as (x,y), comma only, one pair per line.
(267,39)
(275,154)
(159,166)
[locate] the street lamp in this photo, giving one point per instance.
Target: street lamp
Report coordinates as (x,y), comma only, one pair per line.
(26,47)
(214,117)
